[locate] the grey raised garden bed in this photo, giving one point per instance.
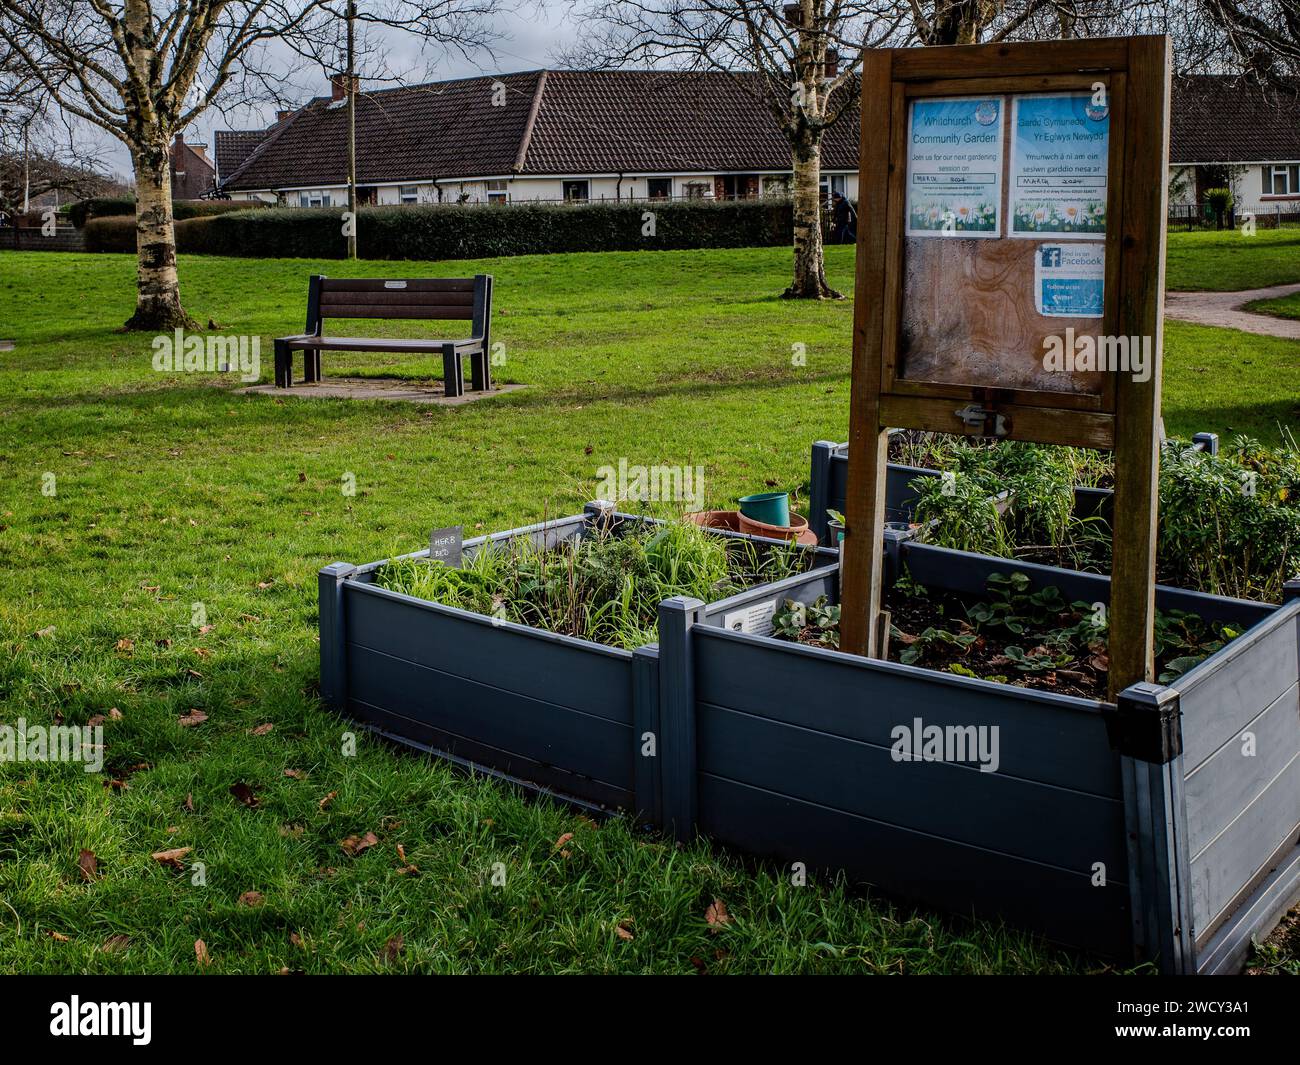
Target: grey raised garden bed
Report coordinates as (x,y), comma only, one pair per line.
(554,712)
(784,751)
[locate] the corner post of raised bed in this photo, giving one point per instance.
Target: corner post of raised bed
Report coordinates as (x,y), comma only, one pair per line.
(677,714)
(1208,442)
(333,655)
(819,488)
(1291,590)
(1146,731)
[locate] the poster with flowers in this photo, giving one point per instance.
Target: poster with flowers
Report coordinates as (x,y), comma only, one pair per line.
(1059,150)
(954,167)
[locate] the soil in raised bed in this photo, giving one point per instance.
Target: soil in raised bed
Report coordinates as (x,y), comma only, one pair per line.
(1011,636)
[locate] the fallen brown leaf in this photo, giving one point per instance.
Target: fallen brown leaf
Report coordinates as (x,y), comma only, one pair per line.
(189,802)
(621,929)
(171,857)
(252,899)
(354,845)
(261,730)
(295,940)
(328,799)
(88,864)
(296,774)
(393,948)
(191,718)
(125,645)
(245,794)
(201,953)
(203,652)
(717,915)
(48,631)
(58,937)
(114,944)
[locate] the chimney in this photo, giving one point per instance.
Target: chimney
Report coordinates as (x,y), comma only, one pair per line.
(201,150)
(338,86)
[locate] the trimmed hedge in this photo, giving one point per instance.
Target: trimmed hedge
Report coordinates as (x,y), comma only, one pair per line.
(452,231)
(117,207)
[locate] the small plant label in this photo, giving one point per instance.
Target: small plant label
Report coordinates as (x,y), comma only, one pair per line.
(445,545)
(755,619)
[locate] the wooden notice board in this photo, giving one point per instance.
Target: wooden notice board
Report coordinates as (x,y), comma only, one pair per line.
(1010,279)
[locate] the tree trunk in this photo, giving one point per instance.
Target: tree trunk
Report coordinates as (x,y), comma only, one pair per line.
(158,290)
(809,268)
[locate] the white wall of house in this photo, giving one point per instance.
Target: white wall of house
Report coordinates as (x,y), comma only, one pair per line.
(553,189)
(1260,188)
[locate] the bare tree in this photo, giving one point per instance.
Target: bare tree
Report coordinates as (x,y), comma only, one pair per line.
(798,59)
(1262,36)
(143,70)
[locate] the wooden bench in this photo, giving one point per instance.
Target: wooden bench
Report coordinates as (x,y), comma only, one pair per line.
(457,298)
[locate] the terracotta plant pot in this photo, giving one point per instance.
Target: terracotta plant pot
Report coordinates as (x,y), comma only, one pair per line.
(797,530)
(716,519)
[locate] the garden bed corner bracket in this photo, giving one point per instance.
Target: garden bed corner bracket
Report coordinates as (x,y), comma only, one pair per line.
(677,747)
(1146,723)
(333,634)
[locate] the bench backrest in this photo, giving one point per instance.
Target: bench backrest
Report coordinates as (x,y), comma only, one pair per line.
(456,298)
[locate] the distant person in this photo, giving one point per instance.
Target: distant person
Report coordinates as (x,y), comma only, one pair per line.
(843,219)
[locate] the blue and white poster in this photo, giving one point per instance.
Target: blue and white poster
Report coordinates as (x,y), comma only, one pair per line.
(1069,280)
(954,167)
(1059,151)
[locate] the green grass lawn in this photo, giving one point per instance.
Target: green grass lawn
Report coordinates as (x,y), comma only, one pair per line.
(1229,261)
(173,490)
(1282,307)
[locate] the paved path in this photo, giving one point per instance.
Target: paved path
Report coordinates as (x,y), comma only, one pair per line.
(1224,309)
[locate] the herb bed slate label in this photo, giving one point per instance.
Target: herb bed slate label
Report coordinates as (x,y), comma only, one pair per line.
(445,545)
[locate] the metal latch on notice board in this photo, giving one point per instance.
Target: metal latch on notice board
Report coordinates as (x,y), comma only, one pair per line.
(981,421)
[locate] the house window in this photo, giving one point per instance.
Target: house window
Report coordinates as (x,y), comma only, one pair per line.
(776,186)
(575,191)
(314,198)
(303,200)
(496,191)
(408,194)
(660,188)
(1284,180)
(696,190)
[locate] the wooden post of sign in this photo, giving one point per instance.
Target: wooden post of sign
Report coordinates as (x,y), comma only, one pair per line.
(1137,403)
(864,507)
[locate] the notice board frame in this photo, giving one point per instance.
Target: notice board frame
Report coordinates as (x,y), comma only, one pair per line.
(1122,417)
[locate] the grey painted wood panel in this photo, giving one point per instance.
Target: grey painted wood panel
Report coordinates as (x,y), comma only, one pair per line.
(531,662)
(1256,917)
(492,761)
(1046,738)
(1227,781)
(1240,852)
(1053,825)
(542,731)
(1230,688)
(952,876)
(803,588)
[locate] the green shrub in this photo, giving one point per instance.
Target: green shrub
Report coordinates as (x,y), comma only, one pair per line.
(193,234)
(115,207)
(112,233)
(450,231)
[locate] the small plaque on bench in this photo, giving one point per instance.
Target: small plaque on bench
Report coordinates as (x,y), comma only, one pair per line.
(445,545)
(394,284)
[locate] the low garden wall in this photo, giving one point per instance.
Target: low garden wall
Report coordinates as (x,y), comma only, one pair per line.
(1138,829)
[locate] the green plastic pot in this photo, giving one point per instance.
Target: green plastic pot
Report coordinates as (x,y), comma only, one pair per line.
(771,508)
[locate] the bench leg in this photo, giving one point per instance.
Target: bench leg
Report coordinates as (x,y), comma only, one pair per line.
(453,377)
(480,371)
(311,365)
(283,364)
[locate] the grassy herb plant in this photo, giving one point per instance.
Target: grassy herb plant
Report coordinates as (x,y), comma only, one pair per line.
(604,586)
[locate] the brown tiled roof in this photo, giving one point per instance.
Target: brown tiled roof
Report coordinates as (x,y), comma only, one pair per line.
(586,122)
(1223,119)
(446,129)
(602,122)
(233,146)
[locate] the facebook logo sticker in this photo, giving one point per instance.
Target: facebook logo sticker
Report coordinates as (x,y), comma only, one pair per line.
(1051,255)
